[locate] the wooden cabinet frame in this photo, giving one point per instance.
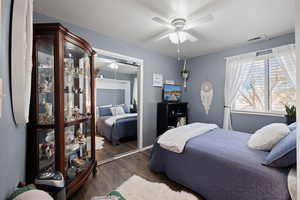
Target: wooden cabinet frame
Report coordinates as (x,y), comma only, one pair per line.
(60,35)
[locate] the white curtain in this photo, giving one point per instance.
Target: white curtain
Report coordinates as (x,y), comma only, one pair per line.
(21,58)
(135,91)
(237,69)
(286,56)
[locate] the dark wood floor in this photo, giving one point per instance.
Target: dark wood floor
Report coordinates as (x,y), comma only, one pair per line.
(111,175)
(109,150)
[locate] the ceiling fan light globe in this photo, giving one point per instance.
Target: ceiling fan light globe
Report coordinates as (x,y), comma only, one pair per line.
(114,66)
(174,37)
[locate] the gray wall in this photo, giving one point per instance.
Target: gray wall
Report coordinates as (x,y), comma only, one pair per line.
(212,68)
(13,138)
(108,96)
(121,76)
(153,63)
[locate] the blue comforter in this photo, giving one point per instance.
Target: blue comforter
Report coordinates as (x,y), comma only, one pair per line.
(122,128)
(219,166)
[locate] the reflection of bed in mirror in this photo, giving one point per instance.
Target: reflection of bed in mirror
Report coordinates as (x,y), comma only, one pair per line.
(116,100)
(118,127)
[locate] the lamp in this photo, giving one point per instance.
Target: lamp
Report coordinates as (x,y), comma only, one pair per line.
(174,37)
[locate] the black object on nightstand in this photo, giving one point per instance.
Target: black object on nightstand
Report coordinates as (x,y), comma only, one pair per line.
(169,114)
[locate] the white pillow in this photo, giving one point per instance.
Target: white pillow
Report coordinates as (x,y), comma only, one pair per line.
(118,110)
(268,136)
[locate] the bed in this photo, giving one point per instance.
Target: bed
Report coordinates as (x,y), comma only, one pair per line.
(219,166)
(114,128)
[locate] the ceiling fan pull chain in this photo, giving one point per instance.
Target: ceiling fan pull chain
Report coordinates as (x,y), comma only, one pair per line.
(178,46)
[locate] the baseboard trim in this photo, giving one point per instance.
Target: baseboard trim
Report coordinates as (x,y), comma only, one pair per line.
(102,162)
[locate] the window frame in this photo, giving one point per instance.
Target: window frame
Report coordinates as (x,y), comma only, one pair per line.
(267,94)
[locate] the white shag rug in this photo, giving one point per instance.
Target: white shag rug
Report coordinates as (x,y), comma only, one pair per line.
(137,188)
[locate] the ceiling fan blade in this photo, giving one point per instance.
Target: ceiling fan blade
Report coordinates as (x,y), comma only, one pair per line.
(199,21)
(163,8)
(160,36)
(209,6)
(198,35)
(191,38)
(162,22)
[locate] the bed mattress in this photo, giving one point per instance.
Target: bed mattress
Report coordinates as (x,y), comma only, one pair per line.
(219,166)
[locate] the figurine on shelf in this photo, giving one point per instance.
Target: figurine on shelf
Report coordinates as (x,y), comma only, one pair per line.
(76,113)
(69,85)
(71,172)
(81,71)
(50,137)
(47,151)
(74,90)
(48,107)
(77,162)
(44,86)
(80,90)
(80,137)
(45,119)
(69,137)
(43,103)
(49,62)
(69,66)
(68,114)
(50,82)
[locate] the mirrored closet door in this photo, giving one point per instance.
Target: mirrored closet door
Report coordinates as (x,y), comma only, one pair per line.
(117,97)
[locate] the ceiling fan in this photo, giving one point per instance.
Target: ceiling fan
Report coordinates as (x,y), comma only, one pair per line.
(179,28)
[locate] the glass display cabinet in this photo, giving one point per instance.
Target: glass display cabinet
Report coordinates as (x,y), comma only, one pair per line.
(61,130)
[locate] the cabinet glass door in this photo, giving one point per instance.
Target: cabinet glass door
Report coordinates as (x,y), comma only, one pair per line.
(46,141)
(77,82)
(77,149)
(45,79)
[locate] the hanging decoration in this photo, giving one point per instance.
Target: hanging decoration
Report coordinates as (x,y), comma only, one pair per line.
(184,73)
(206,94)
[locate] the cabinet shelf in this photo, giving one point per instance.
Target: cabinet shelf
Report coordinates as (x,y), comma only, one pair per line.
(74,122)
(70,123)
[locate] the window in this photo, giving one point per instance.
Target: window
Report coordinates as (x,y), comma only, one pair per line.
(267,87)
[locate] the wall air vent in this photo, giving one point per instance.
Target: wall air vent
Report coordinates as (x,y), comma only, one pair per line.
(258,38)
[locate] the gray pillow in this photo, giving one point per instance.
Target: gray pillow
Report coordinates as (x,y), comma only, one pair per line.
(293,126)
(105,110)
(283,154)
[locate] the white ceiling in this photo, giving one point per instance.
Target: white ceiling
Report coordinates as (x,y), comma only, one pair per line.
(104,64)
(235,21)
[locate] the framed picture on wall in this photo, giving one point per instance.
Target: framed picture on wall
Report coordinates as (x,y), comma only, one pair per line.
(157,80)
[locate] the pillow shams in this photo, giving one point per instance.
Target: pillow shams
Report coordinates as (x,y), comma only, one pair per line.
(293,126)
(265,138)
(105,110)
(126,108)
(118,110)
(283,154)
